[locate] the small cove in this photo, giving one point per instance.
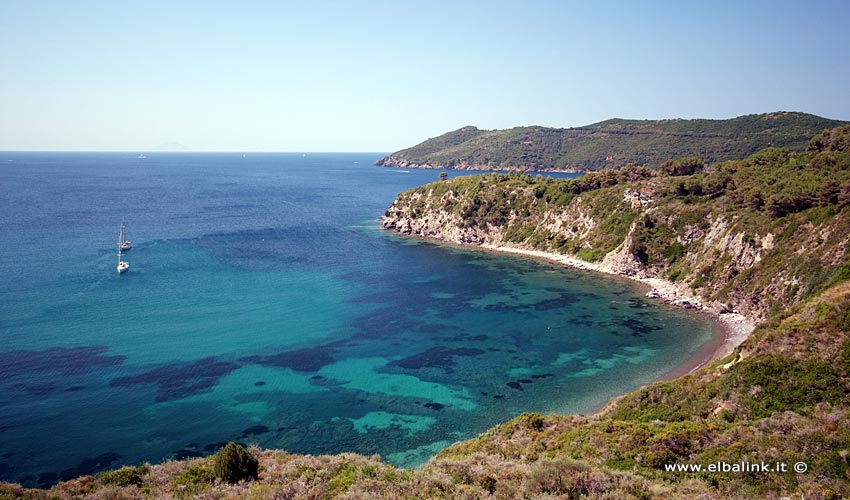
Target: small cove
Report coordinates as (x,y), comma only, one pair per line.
(265,305)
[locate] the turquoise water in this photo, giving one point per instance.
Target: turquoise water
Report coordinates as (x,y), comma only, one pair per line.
(265,305)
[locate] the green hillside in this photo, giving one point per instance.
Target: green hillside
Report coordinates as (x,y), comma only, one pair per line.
(767,236)
(638,142)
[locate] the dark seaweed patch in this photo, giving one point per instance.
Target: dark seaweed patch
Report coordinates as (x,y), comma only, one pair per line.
(65,361)
(583,320)
(515,385)
(47,479)
(544,375)
(638,327)
(37,389)
(563,300)
(309,359)
(468,338)
(383,323)
(434,406)
(254,430)
(178,381)
(438,328)
(505,307)
(636,303)
(524,381)
(437,357)
(213,447)
(90,466)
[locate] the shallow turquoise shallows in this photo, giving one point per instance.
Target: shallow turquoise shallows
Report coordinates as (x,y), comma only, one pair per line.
(265,305)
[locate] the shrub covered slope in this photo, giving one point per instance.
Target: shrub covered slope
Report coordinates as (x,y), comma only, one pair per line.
(611,144)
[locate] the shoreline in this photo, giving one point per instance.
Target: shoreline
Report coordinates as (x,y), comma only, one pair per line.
(476,168)
(729,329)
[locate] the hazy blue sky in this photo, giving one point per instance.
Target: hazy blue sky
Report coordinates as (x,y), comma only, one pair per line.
(379,76)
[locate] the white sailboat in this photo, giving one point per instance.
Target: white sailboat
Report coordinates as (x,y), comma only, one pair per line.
(123,243)
(122,265)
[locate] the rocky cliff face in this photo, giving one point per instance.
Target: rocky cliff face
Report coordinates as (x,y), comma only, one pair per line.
(399,162)
(713,256)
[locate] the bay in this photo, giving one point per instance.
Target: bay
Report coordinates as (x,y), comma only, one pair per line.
(265,305)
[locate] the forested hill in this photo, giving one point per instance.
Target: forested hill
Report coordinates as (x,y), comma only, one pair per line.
(611,143)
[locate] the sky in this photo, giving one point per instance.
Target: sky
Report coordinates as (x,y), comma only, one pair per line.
(383,75)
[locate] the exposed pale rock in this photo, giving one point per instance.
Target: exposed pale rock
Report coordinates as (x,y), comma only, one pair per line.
(431,219)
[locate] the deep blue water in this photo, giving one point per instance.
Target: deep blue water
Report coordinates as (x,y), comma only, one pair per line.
(265,305)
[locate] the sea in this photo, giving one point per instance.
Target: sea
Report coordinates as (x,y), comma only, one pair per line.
(265,305)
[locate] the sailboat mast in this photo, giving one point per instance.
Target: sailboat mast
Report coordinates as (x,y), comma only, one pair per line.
(120,240)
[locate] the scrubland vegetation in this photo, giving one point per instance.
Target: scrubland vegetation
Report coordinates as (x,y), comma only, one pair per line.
(612,143)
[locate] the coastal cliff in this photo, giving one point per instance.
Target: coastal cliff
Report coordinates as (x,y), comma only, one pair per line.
(709,235)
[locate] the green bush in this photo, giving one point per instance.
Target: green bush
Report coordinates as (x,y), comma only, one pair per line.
(788,384)
(343,478)
(233,464)
(532,421)
(126,476)
(488,483)
(196,476)
(683,166)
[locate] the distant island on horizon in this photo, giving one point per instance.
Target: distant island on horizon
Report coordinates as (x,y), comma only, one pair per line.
(611,143)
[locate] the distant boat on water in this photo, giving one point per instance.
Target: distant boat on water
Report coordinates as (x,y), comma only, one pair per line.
(141,156)
(123,243)
(122,265)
